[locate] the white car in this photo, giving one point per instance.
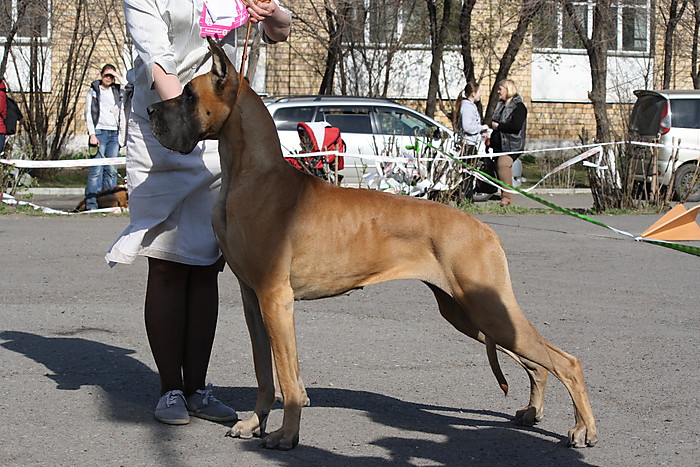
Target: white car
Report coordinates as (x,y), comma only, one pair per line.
(672,118)
(370,126)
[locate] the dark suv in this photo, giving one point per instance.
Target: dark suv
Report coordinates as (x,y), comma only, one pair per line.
(672,118)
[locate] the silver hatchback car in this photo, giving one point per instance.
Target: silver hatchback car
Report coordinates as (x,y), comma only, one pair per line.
(371,126)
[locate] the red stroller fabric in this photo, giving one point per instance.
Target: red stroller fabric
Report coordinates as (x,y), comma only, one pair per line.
(318,137)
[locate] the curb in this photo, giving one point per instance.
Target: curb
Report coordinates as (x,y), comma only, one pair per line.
(56,191)
(561,191)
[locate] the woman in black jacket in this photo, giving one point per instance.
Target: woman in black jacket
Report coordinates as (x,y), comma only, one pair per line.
(509,125)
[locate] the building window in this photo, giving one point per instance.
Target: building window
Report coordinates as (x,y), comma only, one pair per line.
(628,31)
(381,22)
(31,17)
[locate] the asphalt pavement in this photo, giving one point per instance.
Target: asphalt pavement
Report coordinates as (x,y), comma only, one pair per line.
(390,382)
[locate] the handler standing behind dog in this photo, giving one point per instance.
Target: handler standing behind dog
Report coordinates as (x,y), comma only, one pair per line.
(509,125)
(102,118)
(171,198)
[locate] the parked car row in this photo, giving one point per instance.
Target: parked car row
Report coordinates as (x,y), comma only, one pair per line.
(371,126)
(384,127)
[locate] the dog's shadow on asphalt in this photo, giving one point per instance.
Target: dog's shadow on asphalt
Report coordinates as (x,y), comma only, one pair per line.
(465,436)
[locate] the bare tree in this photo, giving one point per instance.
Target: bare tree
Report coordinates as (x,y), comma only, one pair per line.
(694,65)
(597,49)
(670,17)
(528,10)
(605,184)
(438,36)
(11,25)
(465,38)
(52,69)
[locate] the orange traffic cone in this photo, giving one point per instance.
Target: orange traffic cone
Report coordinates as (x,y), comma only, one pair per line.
(678,224)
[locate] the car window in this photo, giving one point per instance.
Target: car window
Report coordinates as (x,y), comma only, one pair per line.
(287,118)
(398,122)
(646,114)
(348,120)
(685,113)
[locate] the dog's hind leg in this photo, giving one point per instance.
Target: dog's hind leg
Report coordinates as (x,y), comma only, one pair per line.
(453,313)
(262,359)
(533,412)
(496,313)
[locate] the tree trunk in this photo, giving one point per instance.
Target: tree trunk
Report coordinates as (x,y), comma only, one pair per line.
(674,16)
(465,39)
(694,67)
(437,46)
(528,11)
(335,25)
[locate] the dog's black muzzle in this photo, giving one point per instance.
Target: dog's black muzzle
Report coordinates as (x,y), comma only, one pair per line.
(174,126)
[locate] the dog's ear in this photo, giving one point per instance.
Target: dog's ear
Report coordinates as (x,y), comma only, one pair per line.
(220,63)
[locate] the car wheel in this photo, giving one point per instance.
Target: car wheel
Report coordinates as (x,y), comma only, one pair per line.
(482,196)
(683,183)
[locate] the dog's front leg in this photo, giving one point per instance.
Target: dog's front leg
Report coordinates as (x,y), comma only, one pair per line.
(262,359)
(277,307)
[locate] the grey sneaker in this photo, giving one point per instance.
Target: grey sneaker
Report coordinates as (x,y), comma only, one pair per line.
(204,405)
(172,408)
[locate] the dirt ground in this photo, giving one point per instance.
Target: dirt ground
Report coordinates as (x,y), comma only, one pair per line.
(390,382)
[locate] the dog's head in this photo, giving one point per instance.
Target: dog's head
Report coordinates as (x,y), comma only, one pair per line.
(202,108)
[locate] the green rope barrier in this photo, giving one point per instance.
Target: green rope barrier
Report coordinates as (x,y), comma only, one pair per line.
(693,250)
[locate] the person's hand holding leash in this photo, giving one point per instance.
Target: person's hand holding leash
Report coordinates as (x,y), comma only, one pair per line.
(260,10)
(276,22)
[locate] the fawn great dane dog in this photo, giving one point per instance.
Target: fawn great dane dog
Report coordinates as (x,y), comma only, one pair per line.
(267,213)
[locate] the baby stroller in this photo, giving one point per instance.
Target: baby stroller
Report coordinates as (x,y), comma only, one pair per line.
(319,137)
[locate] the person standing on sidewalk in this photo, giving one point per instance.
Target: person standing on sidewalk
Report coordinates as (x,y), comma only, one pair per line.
(470,118)
(102,118)
(509,125)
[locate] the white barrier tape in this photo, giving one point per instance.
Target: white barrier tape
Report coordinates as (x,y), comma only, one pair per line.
(30,164)
(377,158)
(11,201)
(38,164)
(659,145)
(369,157)
(562,166)
(569,163)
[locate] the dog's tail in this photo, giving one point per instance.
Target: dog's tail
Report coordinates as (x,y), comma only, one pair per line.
(495,366)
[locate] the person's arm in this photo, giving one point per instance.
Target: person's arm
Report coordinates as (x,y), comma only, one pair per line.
(3,108)
(276,22)
(515,123)
(166,85)
(471,121)
(88,119)
(150,37)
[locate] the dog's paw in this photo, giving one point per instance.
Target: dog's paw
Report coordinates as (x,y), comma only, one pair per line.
(280,440)
(527,416)
(245,429)
(580,437)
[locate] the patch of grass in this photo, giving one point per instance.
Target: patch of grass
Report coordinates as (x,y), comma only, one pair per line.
(495,208)
(534,168)
(74,177)
(6,209)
